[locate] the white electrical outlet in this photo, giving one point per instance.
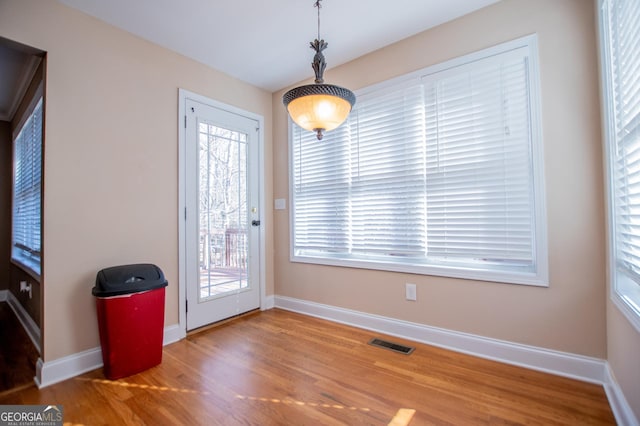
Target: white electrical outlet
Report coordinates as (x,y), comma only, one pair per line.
(25,286)
(410,291)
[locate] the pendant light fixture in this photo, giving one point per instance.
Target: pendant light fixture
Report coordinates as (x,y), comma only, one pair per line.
(319,107)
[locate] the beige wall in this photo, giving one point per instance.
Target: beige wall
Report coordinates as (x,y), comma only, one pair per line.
(111,158)
(569,315)
(31,304)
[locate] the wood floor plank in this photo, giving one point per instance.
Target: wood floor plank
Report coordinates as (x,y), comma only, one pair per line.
(282,368)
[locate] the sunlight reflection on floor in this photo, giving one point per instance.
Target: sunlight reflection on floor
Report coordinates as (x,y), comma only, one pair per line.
(402,417)
(135,385)
(300,403)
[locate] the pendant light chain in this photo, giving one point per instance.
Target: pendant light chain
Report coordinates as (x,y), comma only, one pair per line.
(318,5)
(318,45)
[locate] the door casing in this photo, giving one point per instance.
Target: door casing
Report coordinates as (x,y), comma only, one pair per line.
(183,96)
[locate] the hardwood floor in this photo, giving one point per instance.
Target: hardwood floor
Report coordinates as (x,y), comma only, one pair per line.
(18,356)
(282,368)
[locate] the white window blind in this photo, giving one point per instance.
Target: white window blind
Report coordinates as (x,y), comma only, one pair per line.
(479,167)
(26,247)
(388,215)
(620,56)
(321,188)
(432,174)
(625,61)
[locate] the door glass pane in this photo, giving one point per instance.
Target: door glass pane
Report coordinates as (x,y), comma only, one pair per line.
(223,213)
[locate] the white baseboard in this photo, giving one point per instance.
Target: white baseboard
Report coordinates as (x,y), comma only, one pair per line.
(172,334)
(619,405)
(29,325)
(549,361)
(268,303)
(52,372)
(560,363)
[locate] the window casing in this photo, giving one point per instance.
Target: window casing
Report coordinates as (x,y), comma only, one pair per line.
(27,190)
(438,172)
(619,21)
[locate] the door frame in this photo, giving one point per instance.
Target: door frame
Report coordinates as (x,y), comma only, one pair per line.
(183,96)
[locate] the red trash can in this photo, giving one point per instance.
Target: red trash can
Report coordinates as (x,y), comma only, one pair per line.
(130,307)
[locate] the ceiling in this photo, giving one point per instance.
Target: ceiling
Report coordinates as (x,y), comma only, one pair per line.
(266,43)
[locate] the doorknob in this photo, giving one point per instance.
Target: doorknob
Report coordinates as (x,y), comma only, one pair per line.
(255,223)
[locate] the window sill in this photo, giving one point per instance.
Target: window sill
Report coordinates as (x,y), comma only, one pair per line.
(626,296)
(29,266)
(500,276)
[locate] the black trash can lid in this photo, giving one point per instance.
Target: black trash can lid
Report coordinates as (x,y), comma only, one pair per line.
(128,279)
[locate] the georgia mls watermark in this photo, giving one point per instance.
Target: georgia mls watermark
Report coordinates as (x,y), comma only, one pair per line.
(30,415)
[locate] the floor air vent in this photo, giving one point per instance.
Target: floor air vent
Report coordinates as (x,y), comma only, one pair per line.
(396,347)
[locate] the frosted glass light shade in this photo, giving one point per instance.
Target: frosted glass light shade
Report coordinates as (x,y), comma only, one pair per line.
(319,107)
(319,111)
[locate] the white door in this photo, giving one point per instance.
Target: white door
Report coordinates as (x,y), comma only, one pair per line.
(222,219)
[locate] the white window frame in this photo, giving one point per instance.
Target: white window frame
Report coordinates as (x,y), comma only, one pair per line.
(30,263)
(537,278)
(623,291)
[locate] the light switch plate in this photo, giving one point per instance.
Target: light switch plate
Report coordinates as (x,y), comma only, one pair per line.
(280,203)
